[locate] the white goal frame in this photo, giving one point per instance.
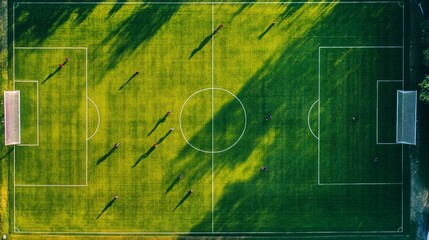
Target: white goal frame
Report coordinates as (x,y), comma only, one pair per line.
(406,117)
(12,118)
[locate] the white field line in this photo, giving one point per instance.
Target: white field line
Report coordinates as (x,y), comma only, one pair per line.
(203,3)
(51,48)
(318,125)
(37,113)
(51,185)
(190,3)
(358,184)
(376,112)
(337,233)
(318,152)
(13,46)
(400,47)
(38,128)
(208,89)
(308,119)
(213,146)
(86,130)
(98,115)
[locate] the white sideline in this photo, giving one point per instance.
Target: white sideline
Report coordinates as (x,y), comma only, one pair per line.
(204,3)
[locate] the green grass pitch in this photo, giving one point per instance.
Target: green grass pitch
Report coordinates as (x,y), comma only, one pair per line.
(327,72)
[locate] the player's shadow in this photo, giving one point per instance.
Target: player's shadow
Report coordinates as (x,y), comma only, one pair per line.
(266,31)
(54,72)
(183,200)
(105,156)
(201,46)
(164,137)
(161,120)
(172,185)
(108,205)
(129,80)
(145,155)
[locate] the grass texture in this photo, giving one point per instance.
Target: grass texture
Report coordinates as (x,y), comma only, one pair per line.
(305,70)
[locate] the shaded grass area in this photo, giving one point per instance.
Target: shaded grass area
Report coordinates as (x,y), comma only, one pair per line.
(342,157)
(275,74)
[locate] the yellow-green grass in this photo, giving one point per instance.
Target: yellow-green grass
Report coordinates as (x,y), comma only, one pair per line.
(218,87)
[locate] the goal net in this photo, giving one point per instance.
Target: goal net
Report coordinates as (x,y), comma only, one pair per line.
(406,117)
(12,123)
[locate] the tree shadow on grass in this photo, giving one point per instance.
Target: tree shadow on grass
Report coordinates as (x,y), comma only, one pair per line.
(116,7)
(37,22)
(139,27)
(268,81)
(6,154)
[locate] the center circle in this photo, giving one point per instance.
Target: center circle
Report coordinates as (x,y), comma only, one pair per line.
(212,120)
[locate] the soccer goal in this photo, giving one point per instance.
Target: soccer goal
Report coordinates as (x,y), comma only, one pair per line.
(406,117)
(12,122)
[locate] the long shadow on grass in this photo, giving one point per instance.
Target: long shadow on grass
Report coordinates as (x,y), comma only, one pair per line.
(36,22)
(54,72)
(286,144)
(201,46)
(105,156)
(145,155)
(108,205)
(188,194)
(131,78)
(165,136)
(116,7)
(173,184)
(140,26)
(161,120)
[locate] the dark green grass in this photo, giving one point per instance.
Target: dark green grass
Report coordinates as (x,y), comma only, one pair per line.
(340,135)
(387,115)
(271,70)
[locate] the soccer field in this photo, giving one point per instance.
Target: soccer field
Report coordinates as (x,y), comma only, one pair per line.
(327,73)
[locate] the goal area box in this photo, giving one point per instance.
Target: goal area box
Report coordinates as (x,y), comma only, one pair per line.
(406,117)
(12,122)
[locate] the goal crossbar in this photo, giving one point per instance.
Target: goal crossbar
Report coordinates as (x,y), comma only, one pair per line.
(12,118)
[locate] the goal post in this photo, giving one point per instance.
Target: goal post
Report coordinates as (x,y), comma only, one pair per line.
(12,118)
(406,117)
